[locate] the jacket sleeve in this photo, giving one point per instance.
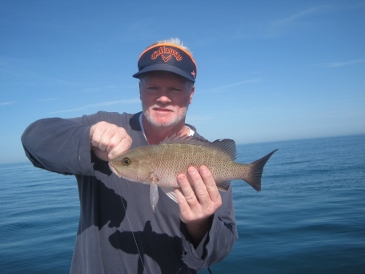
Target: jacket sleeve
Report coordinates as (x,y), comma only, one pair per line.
(219,240)
(59,145)
(63,145)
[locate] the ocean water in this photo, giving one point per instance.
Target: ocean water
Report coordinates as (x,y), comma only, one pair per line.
(308,218)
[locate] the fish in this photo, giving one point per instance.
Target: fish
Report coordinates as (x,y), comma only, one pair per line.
(158,165)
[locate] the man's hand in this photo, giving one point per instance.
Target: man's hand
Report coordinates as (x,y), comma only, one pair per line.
(108,140)
(198,200)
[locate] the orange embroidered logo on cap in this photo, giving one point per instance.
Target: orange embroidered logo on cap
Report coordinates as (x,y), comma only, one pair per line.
(174,59)
(166,53)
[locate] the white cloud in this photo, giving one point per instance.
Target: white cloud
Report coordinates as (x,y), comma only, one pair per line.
(101,104)
(295,17)
(342,64)
(278,26)
(47,99)
(224,88)
(6,103)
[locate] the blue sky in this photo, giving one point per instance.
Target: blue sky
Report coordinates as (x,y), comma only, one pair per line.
(267,70)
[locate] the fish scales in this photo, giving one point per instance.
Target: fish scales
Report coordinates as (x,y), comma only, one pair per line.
(169,160)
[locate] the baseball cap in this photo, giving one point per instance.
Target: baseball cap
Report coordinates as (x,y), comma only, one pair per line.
(167,57)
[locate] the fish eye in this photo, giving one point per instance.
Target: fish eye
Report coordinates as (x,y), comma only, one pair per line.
(126,161)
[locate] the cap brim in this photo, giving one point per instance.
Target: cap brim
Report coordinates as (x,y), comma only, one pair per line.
(165,67)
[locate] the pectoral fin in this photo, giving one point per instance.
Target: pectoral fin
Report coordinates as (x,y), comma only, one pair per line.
(223,186)
(170,193)
(153,195)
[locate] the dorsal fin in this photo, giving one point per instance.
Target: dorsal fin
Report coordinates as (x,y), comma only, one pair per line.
(185,139)
(228,146)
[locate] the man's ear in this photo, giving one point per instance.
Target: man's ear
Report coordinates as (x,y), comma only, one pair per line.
(191,94)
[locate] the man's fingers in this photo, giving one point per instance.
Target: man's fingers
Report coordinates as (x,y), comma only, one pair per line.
(199,188)
(120,145)
(210,184)
(109,139)
(100,134)
(96,133)
(186,189)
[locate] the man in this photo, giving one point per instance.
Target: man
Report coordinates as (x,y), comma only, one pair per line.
(118,230)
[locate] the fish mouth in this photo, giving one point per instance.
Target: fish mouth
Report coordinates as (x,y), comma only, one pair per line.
(137,178)
(114,170)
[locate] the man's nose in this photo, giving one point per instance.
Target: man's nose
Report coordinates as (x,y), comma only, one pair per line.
(164,96)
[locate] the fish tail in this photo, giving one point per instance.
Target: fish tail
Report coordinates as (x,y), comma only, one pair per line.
(256,168)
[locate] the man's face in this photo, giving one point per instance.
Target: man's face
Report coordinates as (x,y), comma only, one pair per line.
(165,98)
